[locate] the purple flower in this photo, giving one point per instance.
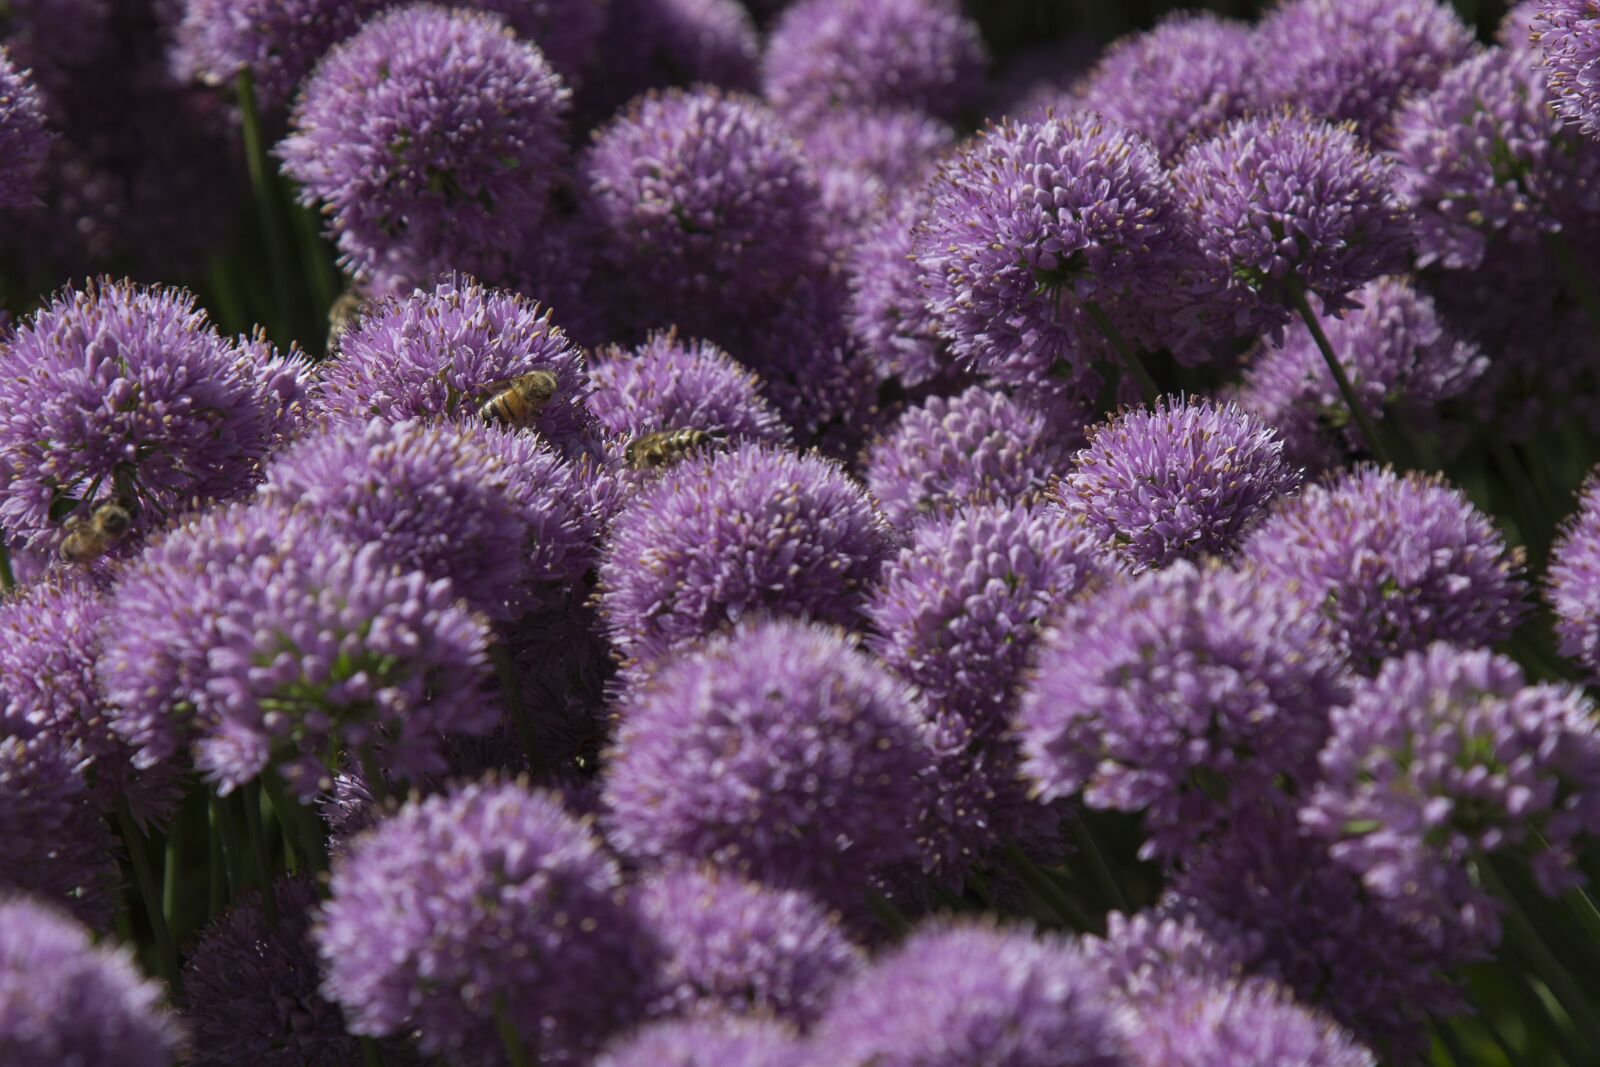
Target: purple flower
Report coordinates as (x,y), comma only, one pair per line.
(1517,27)
(1282,202)
(957,613)
(1399,353)
(1312,926)
(778,751)
(277,41)
(1034,222)
(1395,563)
(447,350)
(569,32)
(124,391)
(922,54)
(494,511)
(64,1001)
(658,43)
(1356,60)
(701,204)
(24,141)
(1482,156)
(1186,694)
(431,139)
(50,636)
(487,901)
(1573,589)
(1184,481)
(894,145)
(250,989)
(1185,77)
(1245,1023)
(888,316)
(710,1042)
(58,844)
(737,534)
(669,383)
(1567,36)
(975,447)
(1146,956)
(1444,759)
(954,995)
(731,946)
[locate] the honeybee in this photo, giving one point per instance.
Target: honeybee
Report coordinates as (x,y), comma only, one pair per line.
(88,540)
(521,399)
(342,317)
(655,450)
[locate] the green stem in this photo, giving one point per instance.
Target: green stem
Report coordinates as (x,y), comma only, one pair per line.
(8,581)
(266,196)
(297,820)
(511,687)
(216,874)
(1089,844)
(1516,969)
(251,800)
(171,871)
(1452,1043)
(1525,942)
(1130,359)
(1572,273)
(324,284)
(516,1055)
(374,776)
(885,912)
(370,1055)
(1358,412)
(1041,885)
(232,854)
(148,891)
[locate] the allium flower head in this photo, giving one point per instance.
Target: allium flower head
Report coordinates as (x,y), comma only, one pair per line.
(1145,956)
(1399,353)
(24,141)
(1032,221)
(568,32)
(1184,693)
(1574,583)
(431,138)
(702,203)
(737,534)
(894,145)
(49,643)
(671,383)
(1395,563)
(486,899)
(735,947)
(122,390)
(778,751)
(494,511)
(1567,35)
(957,612)
(979,446)
(1245,1023)
(1442,760)
(250,989)
(277,41)
(923,54)
(1516,27)
(954,995)
(64,1001)
(1356,60)
(58,844)
(1183,481)
(709,1042)
(658,43)
(1184,77)
(1282,201)
(1483,155)
(444,351)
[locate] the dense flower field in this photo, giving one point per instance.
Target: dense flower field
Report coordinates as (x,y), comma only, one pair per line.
(838,533)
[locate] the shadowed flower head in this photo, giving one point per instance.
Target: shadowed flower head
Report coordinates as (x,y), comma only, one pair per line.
(1442,760)
(1183,481)
(702,203)
(658,43)
(1239,1023)
(957,612)
(737,534)
(980,446)
(887,315)
(277,41)
(488,900)
(779,751)
(568,32)
(1356,60)
(954,995)
(58,844)
(431,139)
(1483,156)
(923,54)
(64,1001)
(709,1042)
(1567,35)
(1186,76)
(1033,222)
(24,141)
(731,946)
(120,390)
(1395,563)
(446,350)
(1400,354)
(1186,694)
(1574,583)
